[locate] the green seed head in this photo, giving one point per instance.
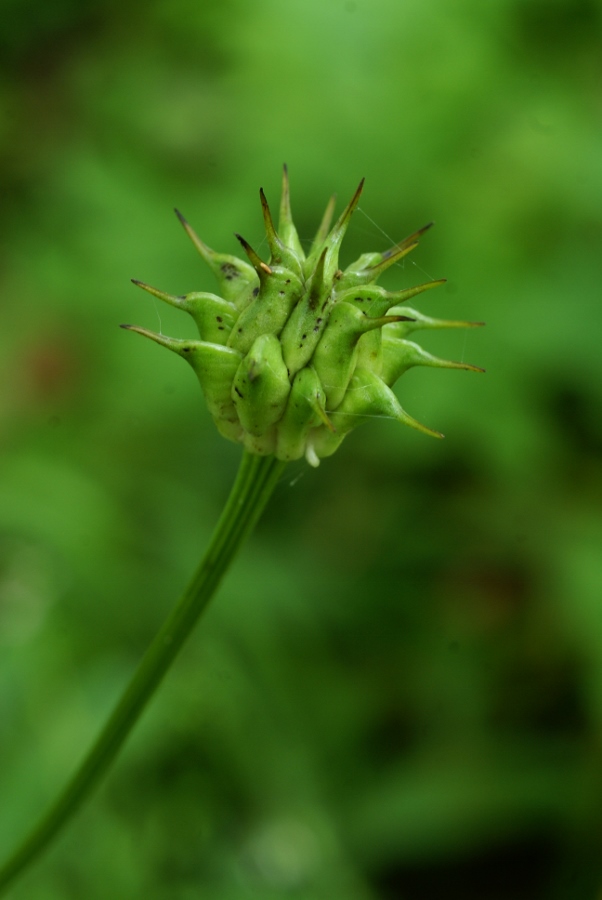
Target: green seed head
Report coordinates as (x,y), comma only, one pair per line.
(294,353)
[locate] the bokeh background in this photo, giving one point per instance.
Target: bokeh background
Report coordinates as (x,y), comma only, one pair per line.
(398,691)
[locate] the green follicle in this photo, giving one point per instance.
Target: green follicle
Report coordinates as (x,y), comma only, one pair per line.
(215,367)
(417,321)
(366,398)
(399,355)
(305,409)
(286,226)
(335,356)
(369,351)
(261,386)
(214,316)
(369,348)
(307,320)
(233,275)
(318,287)
(267,312)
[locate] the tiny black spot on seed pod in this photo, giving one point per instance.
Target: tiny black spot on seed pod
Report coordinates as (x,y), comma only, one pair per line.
(281,293)
(255,291)
(220,328)
(186,349)
(360,299)
(318,321)
(325,304)
(219,318)
(229,271)
(238,392)
(288,281)
(303,336)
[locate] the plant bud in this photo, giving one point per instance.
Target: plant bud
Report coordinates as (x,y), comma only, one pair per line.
(293,353)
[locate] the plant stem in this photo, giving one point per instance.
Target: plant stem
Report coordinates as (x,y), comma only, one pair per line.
(256,479)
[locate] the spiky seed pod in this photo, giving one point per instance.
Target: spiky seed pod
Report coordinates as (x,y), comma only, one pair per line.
(293,353)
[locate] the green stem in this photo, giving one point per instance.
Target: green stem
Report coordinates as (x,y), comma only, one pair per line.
(255,481)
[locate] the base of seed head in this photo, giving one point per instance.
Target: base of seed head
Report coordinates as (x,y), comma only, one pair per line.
(294,353)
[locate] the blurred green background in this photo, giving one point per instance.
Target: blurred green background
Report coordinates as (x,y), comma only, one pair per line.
(398,691)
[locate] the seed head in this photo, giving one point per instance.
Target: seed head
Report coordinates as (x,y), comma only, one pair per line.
(293,353)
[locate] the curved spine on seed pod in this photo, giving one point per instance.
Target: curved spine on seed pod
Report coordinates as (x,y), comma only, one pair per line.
(375,300)
(280,254)
(214,316)
(417,321)
(368,397)
(370,266)
(235,277)
(293,352)
(215,366)
(400,355)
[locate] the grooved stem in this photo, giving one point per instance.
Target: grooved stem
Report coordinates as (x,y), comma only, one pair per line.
(256,479)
